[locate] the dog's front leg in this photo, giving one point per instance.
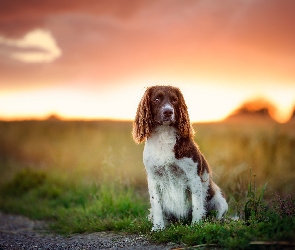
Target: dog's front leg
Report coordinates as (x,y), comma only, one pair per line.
(156,208)
(198,209)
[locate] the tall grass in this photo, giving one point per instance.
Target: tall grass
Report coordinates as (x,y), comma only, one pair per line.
(89,176)
(88,151)
(95,151)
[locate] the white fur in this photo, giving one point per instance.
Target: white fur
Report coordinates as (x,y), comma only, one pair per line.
(170,180)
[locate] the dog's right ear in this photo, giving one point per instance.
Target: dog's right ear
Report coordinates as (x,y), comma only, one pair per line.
(143,122)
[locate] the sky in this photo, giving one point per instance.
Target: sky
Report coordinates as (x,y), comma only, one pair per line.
(93,59)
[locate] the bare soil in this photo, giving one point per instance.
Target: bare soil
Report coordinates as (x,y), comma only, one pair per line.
(19,232)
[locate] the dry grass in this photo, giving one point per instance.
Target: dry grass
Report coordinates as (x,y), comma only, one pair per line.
(92,152)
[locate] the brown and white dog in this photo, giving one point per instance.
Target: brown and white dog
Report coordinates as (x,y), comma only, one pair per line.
(179,177)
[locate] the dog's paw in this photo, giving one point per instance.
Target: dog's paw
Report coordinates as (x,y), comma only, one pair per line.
(158,227)
(198,214)
(196,220)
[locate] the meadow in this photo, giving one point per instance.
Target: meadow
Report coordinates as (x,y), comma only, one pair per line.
(88,176)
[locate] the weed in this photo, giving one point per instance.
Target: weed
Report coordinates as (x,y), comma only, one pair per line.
(254,205)
(282,205)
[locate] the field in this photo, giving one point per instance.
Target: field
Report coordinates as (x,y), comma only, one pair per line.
(89,176)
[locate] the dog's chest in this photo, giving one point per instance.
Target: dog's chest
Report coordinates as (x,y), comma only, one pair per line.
(159,148)
(168,173)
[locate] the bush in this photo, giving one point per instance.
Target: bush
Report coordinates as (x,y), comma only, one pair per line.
(23,182)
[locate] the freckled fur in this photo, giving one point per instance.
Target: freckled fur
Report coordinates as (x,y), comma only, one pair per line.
(179,177)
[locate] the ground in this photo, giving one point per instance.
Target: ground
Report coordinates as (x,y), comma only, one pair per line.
(19,232)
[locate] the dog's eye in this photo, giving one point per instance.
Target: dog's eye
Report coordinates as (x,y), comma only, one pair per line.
(174,100)
(157,99)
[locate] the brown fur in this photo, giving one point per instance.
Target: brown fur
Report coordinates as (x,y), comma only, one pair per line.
(144,123)
(186,147)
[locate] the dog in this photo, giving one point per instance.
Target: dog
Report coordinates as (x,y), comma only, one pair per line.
(179,177)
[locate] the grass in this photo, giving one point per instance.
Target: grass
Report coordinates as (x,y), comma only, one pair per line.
(77,209)
(72,208)
(88,177)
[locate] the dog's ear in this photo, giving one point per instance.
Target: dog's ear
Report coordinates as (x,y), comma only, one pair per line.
(185,128)
(143,122)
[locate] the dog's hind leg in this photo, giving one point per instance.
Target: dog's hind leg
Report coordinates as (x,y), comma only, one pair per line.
(217,203)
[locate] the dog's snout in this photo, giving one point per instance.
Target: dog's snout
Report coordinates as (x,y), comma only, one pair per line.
(167,112)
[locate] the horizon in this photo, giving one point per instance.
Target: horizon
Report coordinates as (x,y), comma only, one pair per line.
(35,105)
(251,110)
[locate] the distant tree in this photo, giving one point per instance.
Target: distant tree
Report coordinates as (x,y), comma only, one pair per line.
(257,109)
(53,117)
(293,115)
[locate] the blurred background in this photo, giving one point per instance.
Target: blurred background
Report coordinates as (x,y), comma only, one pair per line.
(73,72)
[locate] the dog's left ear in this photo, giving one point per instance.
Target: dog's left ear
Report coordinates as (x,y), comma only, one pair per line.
(143,122)
(185,128)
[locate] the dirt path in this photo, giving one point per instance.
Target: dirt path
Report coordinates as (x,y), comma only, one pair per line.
(19,232)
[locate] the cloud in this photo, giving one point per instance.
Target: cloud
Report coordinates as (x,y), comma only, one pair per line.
(37,46)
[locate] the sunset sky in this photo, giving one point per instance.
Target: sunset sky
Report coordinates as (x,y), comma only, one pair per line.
(93,59)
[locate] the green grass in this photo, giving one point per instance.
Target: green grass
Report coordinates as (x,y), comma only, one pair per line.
(228,234)
(89,176)
(78,208)
(73,208)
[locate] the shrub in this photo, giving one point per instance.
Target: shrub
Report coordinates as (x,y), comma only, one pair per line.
(23,182)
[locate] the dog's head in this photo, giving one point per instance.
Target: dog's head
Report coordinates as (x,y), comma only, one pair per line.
(161,105)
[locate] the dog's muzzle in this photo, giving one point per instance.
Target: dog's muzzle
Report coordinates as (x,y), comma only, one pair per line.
(168,115)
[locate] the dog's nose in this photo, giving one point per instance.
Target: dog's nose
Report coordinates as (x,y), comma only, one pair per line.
(168,112)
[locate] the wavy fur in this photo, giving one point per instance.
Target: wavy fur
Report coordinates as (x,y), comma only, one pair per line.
(144,124)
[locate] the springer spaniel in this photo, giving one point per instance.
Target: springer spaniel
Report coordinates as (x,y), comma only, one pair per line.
(179,177)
